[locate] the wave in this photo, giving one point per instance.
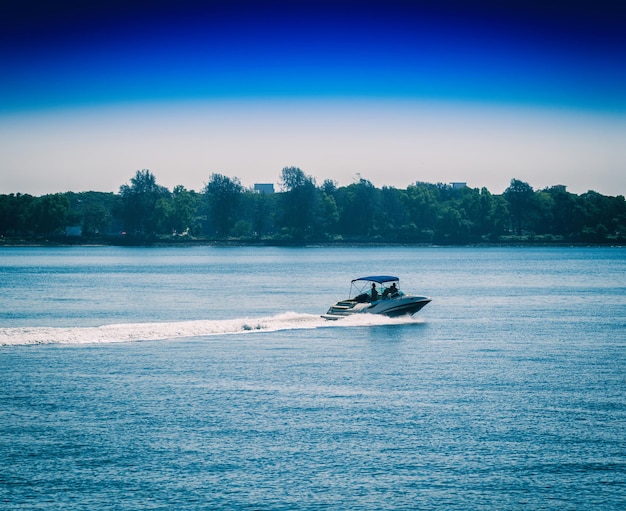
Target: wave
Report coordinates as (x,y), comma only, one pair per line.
(130,332)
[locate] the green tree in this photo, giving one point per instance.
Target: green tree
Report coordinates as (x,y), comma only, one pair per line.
(452,226)
(95,219)
(299,203)
(392,216)
(93,211)
(561,220)
(329,214)
(358,207)
(48,214)
(7,221)
(178,212)
(223,195)
(499,217)
(539,217)
(604,215)
(422,205)
(481,208)
(15,214)
(519,195)
(139,203)
(329,187)
(262,210)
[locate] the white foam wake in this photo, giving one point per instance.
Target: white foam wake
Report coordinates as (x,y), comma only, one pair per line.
(160,331)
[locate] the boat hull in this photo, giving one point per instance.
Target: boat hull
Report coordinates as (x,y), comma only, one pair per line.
(393,307)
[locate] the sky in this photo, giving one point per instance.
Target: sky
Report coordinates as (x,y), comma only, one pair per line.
(393,92)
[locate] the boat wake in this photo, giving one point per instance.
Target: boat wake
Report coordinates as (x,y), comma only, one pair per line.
(161,331)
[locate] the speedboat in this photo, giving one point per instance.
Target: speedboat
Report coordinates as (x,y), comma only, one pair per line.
(386,299)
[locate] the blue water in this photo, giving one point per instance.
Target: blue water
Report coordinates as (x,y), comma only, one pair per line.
(203,378)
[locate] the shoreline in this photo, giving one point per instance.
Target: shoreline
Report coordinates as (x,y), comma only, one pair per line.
(160,243)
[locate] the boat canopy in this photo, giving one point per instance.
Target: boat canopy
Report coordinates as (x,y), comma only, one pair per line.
(379,279)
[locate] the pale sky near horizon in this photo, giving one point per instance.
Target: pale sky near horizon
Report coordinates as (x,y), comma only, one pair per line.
(393,94)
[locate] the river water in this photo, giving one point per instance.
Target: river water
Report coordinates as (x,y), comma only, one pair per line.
(204,378)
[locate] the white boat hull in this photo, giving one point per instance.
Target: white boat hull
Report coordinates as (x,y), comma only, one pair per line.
(391,307)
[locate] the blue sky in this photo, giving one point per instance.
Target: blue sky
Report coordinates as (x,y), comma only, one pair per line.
(395,92)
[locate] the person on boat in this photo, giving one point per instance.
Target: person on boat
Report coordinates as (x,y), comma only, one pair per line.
(374,293)
(393,290)
(390,291)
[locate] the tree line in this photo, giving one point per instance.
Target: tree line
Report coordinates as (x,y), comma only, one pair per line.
(304,212)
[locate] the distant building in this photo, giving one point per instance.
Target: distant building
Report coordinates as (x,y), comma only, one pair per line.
(458,185)
(264,188)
